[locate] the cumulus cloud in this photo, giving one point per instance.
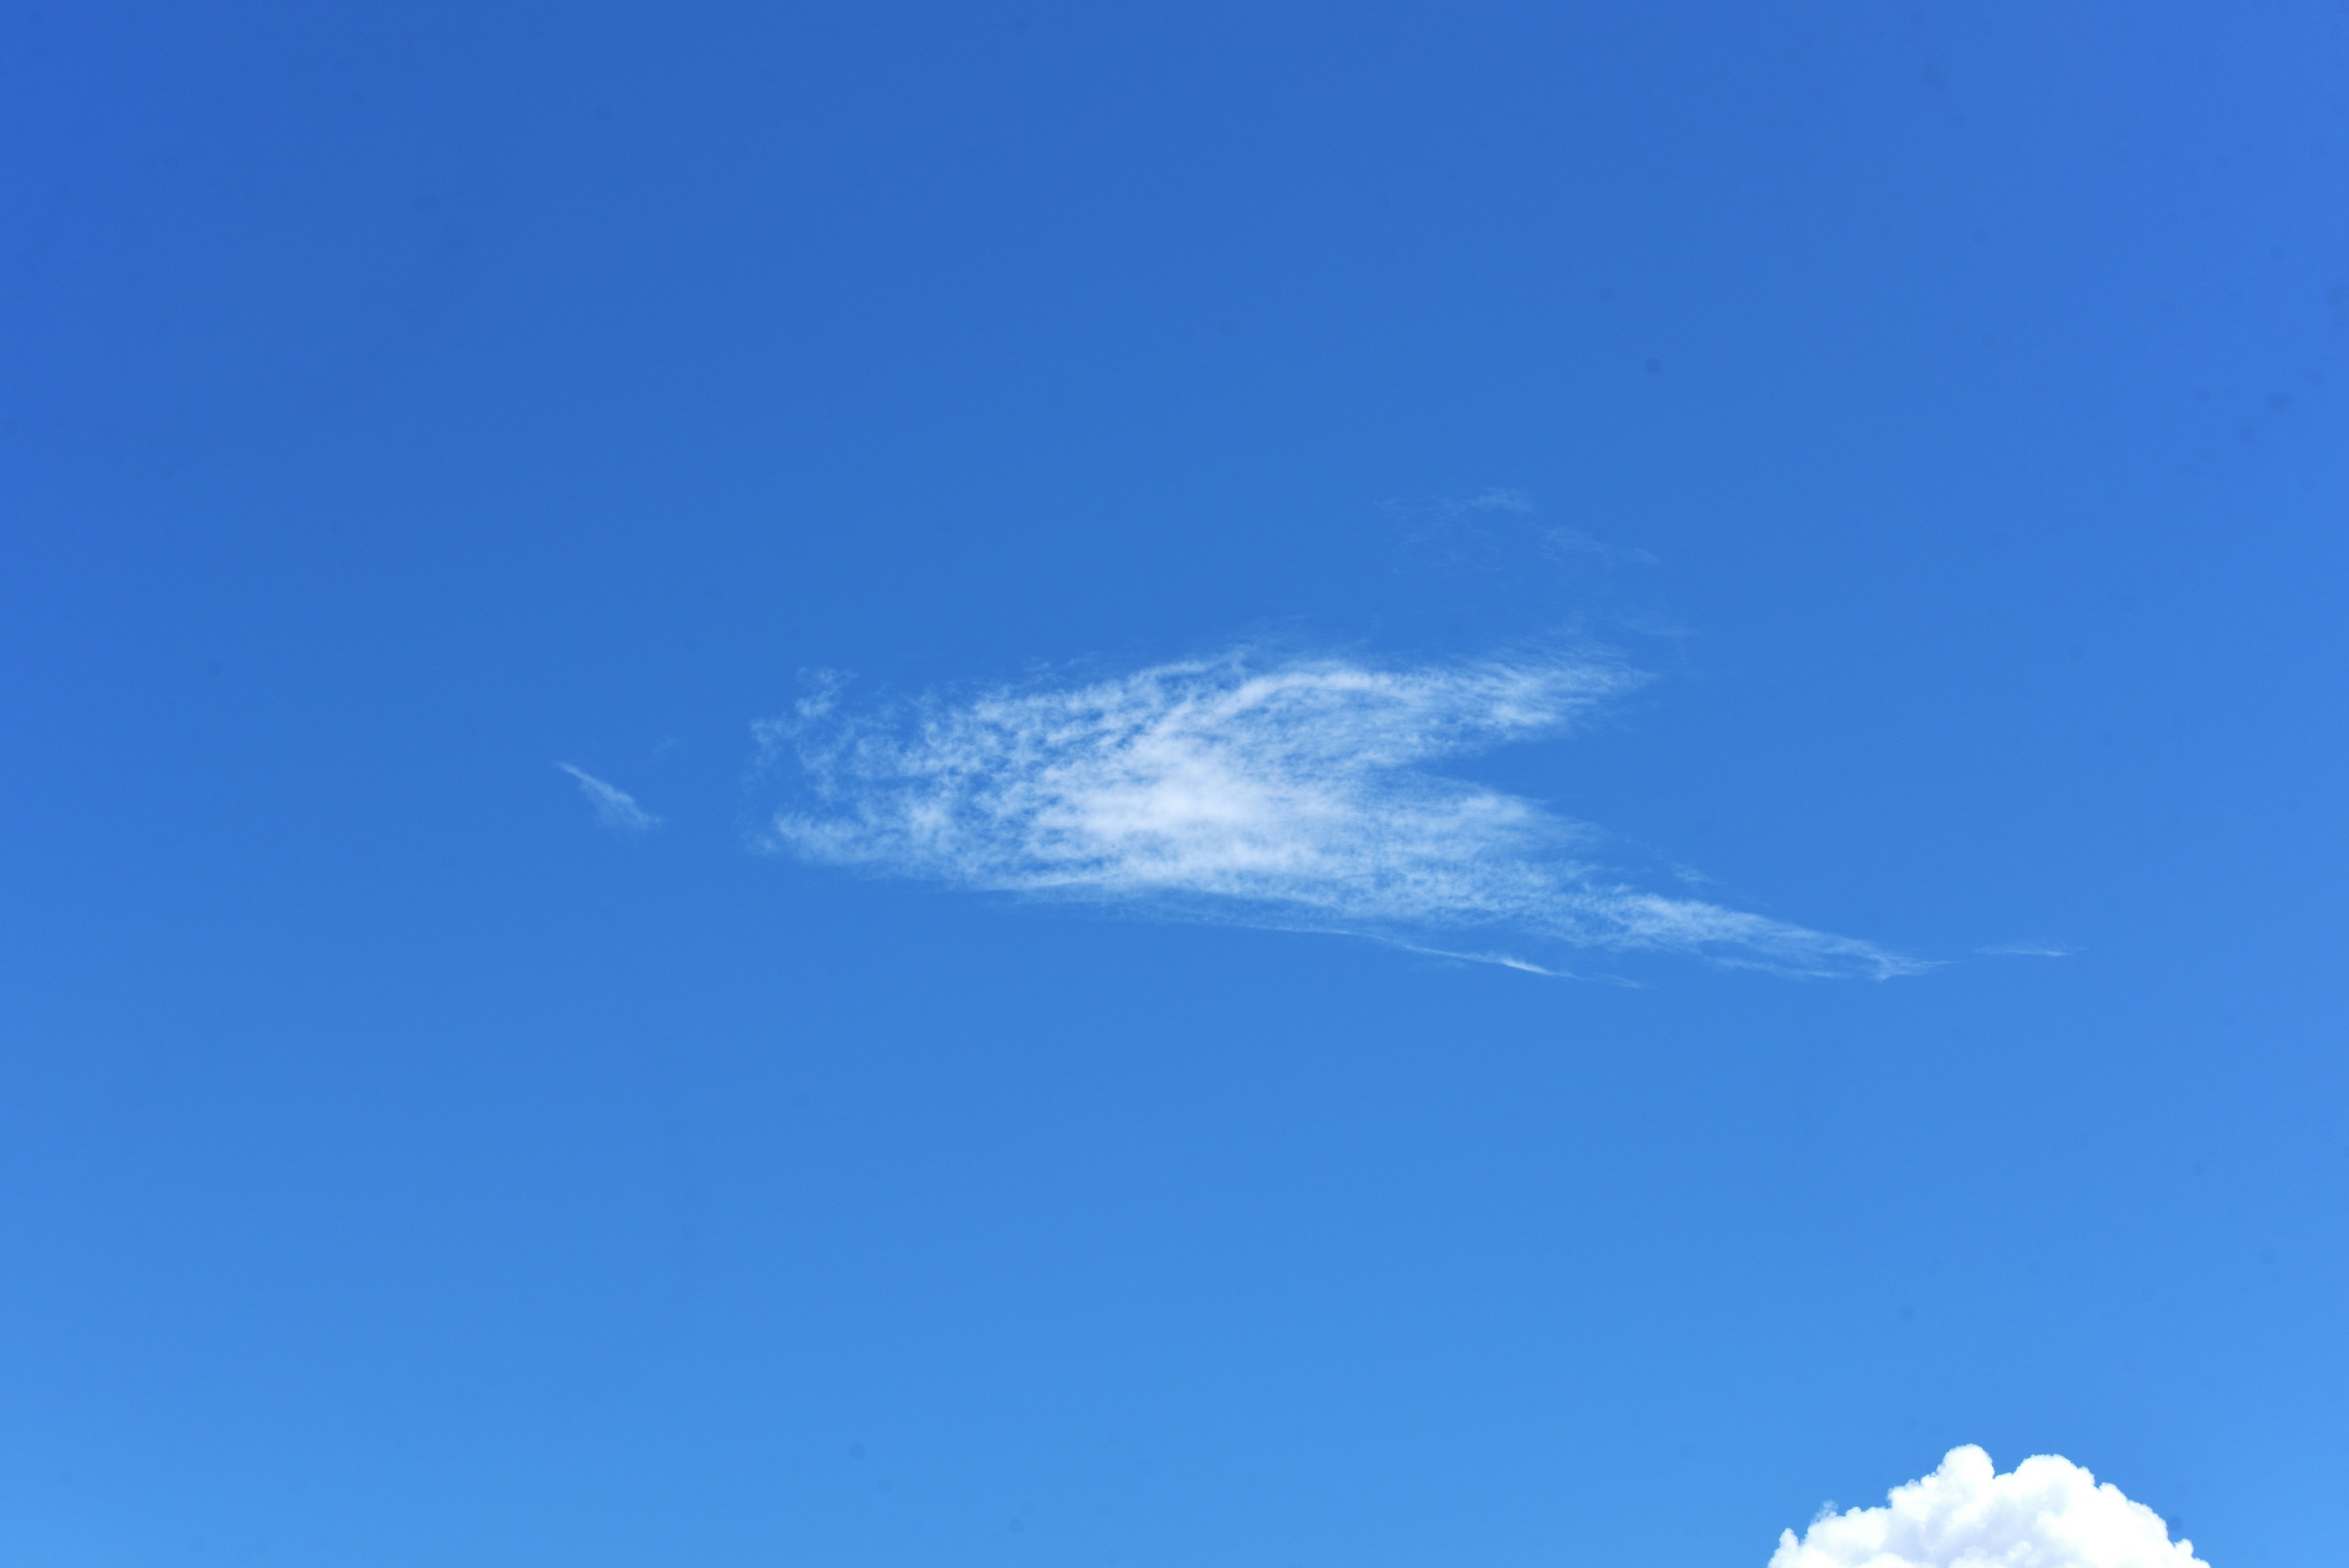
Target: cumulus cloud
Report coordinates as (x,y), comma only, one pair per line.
(615,808)
(2047,1512)
(1297,793)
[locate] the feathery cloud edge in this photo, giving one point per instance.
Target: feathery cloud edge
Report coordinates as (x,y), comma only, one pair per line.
(1293,793)
(615,808)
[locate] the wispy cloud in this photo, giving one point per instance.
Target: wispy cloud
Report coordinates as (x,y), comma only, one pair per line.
(1279,791)
(2027,950)
(1498,529)
(615,808)
(1498,499)
(2047,1512)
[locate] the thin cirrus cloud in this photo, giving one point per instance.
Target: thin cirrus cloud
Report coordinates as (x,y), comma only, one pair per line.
(2047,1512)
(615,808)
(1297,793)
(1496,531)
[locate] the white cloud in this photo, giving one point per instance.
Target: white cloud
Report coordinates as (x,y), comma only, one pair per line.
(2027,950)
(1499,499)
(615,808)
(2047,1512)
(1289,793)
(1496,530)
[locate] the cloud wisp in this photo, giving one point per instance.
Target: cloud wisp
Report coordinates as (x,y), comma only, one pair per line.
(1498,530)
(615,808)
(1295,793)
(2047,1512)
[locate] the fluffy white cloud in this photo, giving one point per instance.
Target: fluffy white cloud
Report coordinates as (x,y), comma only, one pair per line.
(1293,793)
(2047,1512)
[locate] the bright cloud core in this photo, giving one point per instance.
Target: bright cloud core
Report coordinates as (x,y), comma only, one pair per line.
(1299,793)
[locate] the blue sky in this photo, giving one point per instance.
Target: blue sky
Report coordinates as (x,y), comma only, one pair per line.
(764,766)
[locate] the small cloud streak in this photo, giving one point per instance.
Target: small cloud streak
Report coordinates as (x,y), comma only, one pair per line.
(2027,950)
(1290,793)
(2047,1512)
(1499,499)
(1496,530)
(615,808)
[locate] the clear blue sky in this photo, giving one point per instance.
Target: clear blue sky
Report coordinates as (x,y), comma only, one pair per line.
(1919,429)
